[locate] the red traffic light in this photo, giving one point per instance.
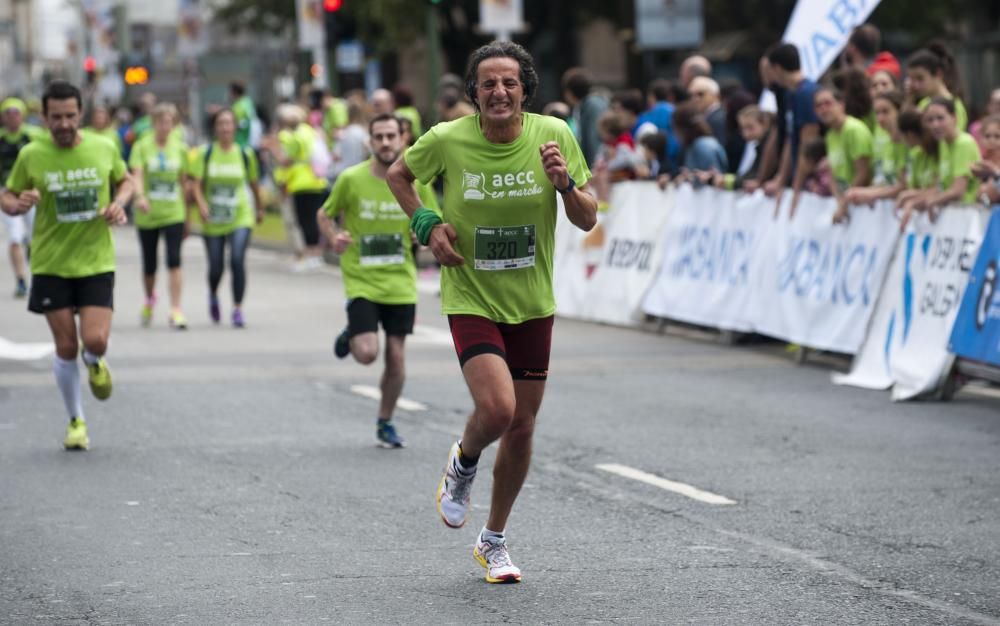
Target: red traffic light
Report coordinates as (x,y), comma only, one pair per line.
(90,64)
(331,6)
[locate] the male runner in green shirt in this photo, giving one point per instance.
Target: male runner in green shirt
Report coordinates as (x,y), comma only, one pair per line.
(69,178)
(502,169)
(376,257)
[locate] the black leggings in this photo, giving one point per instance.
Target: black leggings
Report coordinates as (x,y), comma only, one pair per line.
(148,239)
(307,204)
(215,247)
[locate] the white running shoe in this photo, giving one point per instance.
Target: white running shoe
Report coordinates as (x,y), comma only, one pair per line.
(454,491)
(492,554)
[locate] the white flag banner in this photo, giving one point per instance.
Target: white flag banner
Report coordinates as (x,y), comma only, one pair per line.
(906,344)
(631,253)
(820,281)
(820,29)
(710,258)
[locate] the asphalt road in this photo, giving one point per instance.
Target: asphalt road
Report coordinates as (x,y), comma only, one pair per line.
(233,478)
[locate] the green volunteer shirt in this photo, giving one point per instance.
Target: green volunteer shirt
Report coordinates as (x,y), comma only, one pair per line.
(851,142)
(961,115)
(955,159)
(70,239)
(162,172)
(244,112)
(224,185)
(503,207)
(298,144)
(379,265)
(888,158)
(921,169)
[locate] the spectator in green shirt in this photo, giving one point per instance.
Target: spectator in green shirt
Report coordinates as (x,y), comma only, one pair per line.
(244,111)
(848,147)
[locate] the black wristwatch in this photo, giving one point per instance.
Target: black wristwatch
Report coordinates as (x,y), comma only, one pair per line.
(569,187)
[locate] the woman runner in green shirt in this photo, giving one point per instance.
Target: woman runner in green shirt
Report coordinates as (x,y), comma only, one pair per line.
(221,173)
(158,162)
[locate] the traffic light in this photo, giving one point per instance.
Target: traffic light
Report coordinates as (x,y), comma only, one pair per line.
(338,23)
(136,75)
(90,68)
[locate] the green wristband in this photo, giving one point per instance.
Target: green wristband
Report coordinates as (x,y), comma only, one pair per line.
(423,222)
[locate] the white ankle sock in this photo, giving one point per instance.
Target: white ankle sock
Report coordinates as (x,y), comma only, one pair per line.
(68,379)
(90,359)
(486,533)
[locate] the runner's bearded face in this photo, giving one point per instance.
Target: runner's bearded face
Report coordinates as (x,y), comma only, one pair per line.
(499,91)
(386,142)
(63,120)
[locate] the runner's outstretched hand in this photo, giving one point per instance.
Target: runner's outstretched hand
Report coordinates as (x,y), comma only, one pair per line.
(440,243)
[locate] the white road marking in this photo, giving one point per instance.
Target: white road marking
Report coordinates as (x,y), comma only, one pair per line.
(368,391)
(24,351)
(430,335)
(663,483)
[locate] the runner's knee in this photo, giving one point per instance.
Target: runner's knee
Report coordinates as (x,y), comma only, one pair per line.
(496,408)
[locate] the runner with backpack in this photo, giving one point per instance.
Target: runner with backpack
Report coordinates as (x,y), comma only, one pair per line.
(222,173)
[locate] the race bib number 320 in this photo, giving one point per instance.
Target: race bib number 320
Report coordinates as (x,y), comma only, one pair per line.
(505,247)
(76,205)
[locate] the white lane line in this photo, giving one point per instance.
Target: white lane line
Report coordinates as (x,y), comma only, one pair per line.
(431,335)
(368,391)
(24,351)
(663,483)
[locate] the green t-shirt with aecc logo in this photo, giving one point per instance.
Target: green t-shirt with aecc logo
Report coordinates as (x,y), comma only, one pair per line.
(955,160)
(503,208)
(225,187)
(162,174)
(851,142)
(71,239)
(888,158)
(379,265)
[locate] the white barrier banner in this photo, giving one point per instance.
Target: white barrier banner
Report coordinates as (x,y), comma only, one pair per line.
(710,258)
(631,255)
(820,281)
(906,344)
(602,275)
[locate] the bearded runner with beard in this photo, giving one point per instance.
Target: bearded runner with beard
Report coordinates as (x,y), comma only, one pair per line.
(502,169)
(69,177)
(380,274)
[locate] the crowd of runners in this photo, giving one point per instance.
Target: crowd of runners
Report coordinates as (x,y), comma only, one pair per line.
(866,134)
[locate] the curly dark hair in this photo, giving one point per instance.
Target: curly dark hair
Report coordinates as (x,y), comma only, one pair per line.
(502,49)
(854,84)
